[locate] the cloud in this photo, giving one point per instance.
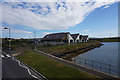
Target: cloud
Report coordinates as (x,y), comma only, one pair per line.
(104,33)
(87,30)
(106,6)
(58,0)
(20,31)
(16,31)
(46,33)
(48,15)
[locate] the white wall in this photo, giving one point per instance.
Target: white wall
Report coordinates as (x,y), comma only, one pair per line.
(77,38)
(69,37)
(85,40)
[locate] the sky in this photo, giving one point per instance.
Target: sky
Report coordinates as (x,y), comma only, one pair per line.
(94,18)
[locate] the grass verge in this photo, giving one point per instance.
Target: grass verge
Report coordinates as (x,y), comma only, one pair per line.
(68,51)
(51,68)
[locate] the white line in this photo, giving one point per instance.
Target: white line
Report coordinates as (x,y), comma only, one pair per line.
(8,55)
(24,67)
(2,56)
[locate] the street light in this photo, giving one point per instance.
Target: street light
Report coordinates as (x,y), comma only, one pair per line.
(34,39)
(9,38)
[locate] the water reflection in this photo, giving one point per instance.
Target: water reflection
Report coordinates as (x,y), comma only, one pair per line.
(104,58)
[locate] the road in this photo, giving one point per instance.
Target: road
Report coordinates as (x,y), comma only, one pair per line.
(12,69)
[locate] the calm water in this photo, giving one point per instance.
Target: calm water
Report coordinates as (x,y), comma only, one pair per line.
(108,54)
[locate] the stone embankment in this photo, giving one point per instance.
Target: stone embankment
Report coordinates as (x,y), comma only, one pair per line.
(70,55)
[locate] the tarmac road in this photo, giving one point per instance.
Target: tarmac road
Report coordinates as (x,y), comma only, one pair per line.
(12,70)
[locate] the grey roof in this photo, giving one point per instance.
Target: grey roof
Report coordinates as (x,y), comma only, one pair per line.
(80,37)
(55,36)
(74,36)
(84,37)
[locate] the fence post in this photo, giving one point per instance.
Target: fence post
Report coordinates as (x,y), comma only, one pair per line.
(109,69)
(80,61)
(92,64)
(100,66)
(85,62)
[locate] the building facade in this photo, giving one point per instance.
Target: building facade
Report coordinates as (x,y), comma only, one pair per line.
(65,37)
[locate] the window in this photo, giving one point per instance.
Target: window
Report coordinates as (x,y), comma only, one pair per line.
(47,36)
(71,41)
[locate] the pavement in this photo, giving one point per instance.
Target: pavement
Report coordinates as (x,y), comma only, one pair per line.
(14,69)
(74,65)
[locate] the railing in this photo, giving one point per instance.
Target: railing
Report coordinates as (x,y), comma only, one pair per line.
(106,68)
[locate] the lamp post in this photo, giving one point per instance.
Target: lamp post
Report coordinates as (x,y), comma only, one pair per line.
(34,40)
(9,37)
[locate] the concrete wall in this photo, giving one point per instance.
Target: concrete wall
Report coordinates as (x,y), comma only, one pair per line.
(77,38)
(69,37)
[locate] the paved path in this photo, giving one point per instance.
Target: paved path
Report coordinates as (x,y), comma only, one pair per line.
(91,71)
(14,69)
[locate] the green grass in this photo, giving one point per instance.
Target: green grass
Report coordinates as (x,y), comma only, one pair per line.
(51,68)
(106,40)
(110,40)
(58,49)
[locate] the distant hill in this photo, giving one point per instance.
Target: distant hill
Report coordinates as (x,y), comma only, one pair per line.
(109,39)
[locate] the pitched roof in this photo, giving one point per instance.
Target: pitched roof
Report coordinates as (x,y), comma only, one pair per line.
(74,36)
(55,36)
(80,37)
(84,37)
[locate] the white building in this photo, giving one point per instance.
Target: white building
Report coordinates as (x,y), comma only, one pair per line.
(76,37)
(65,37)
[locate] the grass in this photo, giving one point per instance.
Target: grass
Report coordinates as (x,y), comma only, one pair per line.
(106,39)
(58,49)
(110,40)
(51,68)
(70,49)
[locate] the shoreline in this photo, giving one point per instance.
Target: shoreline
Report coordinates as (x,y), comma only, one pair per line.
(109,41)
(70,56)
(69,51)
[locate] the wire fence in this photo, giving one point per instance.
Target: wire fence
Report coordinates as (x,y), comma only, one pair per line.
(103,67)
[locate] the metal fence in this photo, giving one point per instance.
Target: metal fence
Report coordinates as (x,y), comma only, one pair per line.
(106,68)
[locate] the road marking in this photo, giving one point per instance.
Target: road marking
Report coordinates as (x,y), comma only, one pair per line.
(20,65)
(2,56)
(8,55)
(24,67)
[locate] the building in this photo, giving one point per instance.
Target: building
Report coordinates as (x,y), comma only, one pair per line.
(65,37)
(76,37)
(58,37)
(80,37)
(84,38)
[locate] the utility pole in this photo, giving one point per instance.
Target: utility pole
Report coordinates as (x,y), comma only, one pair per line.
(9,37)
(34,39)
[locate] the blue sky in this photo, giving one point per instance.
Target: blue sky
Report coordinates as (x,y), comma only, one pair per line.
(45,18)
(100,23)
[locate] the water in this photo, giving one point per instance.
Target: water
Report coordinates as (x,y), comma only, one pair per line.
(107,54)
